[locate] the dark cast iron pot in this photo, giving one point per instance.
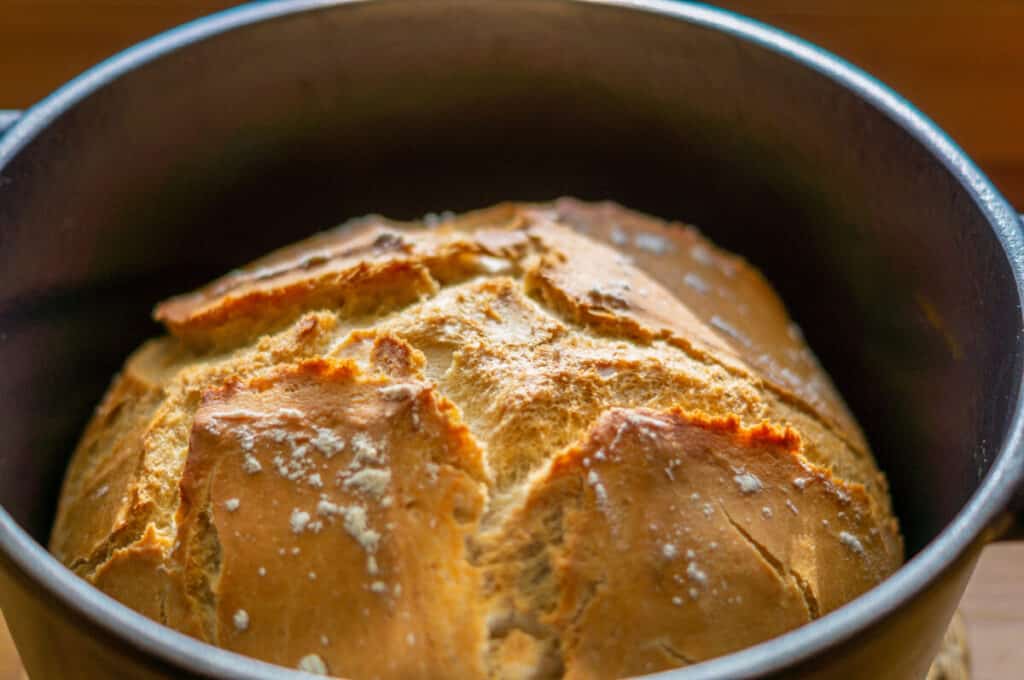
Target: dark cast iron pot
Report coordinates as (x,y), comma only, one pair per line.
(206,146)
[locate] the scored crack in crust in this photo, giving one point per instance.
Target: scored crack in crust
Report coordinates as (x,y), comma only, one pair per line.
(532,441)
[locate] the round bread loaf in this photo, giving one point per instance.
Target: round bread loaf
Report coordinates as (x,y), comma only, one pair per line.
(532,441)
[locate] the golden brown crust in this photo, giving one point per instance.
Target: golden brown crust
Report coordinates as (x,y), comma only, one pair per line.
(455,426)
(732,519)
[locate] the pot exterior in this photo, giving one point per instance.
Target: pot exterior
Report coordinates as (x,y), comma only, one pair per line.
(56,643)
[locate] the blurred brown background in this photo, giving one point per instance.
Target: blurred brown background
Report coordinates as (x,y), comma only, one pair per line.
(960,61)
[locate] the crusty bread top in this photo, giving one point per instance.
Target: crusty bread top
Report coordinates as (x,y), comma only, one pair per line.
(531,441)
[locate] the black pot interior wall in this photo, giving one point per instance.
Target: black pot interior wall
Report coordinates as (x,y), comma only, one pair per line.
(194,164)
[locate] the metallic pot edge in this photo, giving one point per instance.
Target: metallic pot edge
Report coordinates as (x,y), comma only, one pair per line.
(984,508)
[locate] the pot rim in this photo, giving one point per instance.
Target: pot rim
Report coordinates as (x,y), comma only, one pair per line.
(980,512)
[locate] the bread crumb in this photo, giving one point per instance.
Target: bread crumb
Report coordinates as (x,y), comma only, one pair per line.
(232,504)
(241,619)
(748,483)
(299,520)
(312,663)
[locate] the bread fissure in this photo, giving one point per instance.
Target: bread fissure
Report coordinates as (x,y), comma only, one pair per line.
(202,572)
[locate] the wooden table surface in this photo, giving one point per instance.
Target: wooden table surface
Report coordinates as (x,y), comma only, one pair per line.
(960,61)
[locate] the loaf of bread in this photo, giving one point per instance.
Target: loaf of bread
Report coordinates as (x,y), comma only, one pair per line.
(533,441)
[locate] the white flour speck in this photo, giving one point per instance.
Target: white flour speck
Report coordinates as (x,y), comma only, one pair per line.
(652,243)
(730,330)
(748,483)
(696,573)
(325,508)
(232,504)
(241,619)
(701,254)
(327,442)
(356,526)
(365,450)
(370,481)
(851,542)
(312,663)
(250,465)
(298,520)
(246,437)
(694,281)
